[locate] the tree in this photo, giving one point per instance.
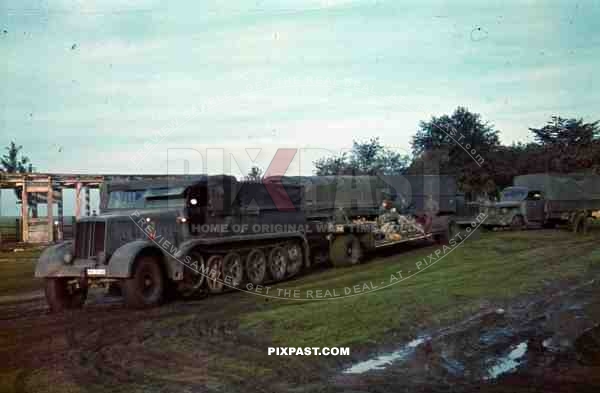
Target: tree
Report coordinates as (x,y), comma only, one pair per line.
(566,132)
(462,145)
(12,163)
(566,145)
(255,174)
(453,133)
(365,158)
(15,162)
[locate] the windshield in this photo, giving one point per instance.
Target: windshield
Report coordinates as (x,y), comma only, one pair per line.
(513,194)
(149,198)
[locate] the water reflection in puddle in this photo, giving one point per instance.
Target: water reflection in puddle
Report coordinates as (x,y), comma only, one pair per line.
(381,362)
(509,362)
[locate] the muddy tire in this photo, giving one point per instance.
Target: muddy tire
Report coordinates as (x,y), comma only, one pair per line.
(517,223)
(277,265)
(147,286)
(256,267)
(444,237)
(193,279)
(367,241)
(345,250)
(60,297)
(580,225)
(295,258)
(233,269)
(214,281)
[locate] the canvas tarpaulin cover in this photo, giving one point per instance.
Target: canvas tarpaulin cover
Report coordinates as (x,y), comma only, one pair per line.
(572,187)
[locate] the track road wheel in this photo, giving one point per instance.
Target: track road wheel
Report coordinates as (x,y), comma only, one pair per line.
(256,266)
(61,296)
(214,281)
(193,277)
(294,254)
(278,263)
(147,286)
(233,269)
(345,250)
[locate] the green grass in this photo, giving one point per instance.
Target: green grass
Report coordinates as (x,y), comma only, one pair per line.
(16,272)
(494,268)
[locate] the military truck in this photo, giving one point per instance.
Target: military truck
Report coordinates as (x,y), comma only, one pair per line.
(547,200)
(214,233)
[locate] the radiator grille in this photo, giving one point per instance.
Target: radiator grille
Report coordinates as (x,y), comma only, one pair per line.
(89,239)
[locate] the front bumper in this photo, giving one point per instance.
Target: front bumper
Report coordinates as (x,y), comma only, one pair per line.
(52,264)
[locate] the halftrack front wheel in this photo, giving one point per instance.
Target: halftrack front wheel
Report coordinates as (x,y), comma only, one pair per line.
(214,281)
(146,288)
(233,269)
(61,296)
(345,250)
(256,266)
(278,263)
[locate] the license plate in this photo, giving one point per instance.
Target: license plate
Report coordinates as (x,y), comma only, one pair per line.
(96,272)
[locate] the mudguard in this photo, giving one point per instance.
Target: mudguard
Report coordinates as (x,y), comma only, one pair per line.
(51,262)
(121,262)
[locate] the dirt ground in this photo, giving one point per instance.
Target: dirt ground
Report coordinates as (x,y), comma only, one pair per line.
(198,346)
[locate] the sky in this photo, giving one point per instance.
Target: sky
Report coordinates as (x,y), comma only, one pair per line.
(148,86)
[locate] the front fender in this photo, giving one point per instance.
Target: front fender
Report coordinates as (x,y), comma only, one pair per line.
(51,262)
(121,262)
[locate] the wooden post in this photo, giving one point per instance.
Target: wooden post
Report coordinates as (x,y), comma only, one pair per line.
(78,200)
(60,215)
(87,201)
(24,212)
(50,205)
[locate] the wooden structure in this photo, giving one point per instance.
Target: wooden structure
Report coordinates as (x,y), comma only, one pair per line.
(47,188)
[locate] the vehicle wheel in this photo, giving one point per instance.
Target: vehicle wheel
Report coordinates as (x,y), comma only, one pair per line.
(367,241)
(233,269)
(294,256)
(146,288)
(580,225)
(517,223)
(278,263)
(62,296)
(214,281)
(256,266)
(193,279)
(114,289)
(345,251)
(449,233)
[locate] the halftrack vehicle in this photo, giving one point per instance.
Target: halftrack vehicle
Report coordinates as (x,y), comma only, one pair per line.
(214,232)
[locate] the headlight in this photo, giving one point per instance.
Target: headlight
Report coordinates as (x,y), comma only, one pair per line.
(68,258)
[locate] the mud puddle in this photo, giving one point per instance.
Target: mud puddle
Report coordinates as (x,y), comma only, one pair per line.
(381,362)
(552,339)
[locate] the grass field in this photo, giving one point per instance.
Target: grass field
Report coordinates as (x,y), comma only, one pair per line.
(493,269)
(222,341)
(16,272)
